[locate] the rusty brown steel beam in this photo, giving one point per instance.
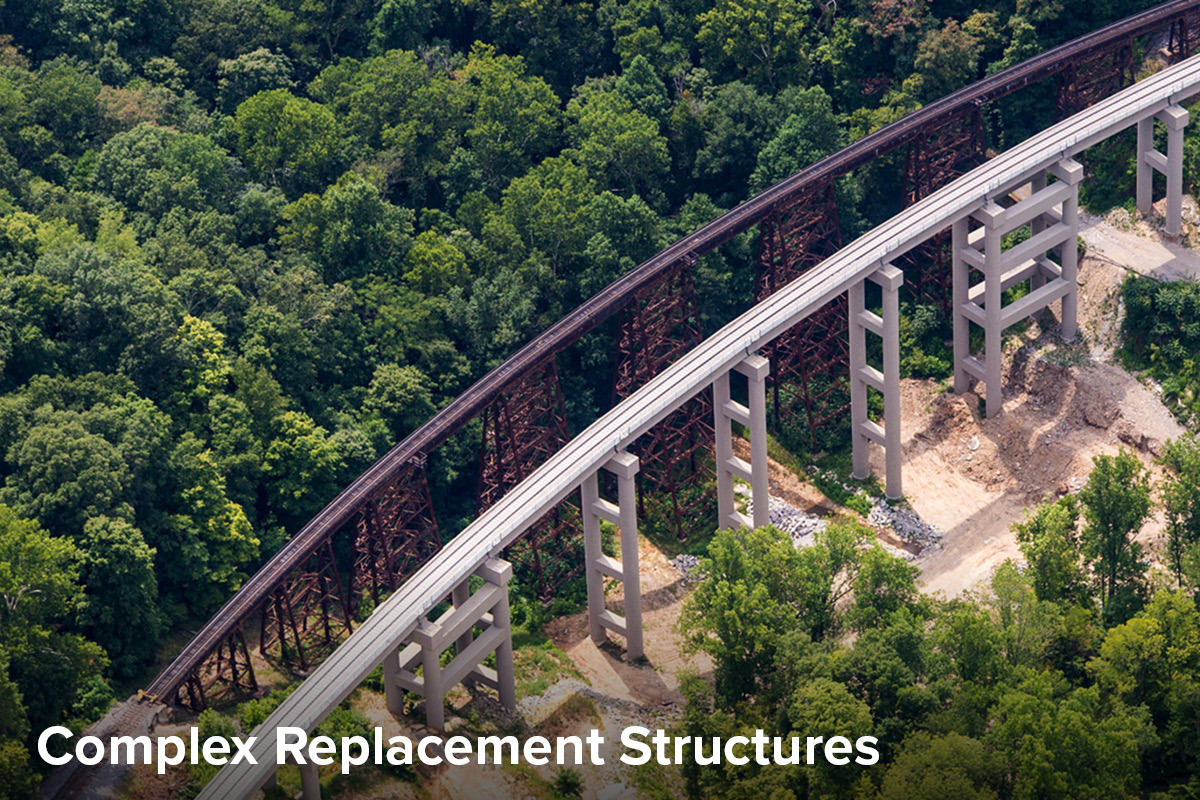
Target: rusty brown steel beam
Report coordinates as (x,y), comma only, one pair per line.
(660,324)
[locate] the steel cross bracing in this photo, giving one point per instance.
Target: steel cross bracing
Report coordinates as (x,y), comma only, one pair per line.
(1184,36)
(229,672)
(657,327)
(808,363)
(521,429)
(947,152)
(1093,77)
(973,194)
(308,615)
(395,533)
(347,507)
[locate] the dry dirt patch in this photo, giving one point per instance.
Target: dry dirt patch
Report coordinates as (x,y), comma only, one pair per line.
(1063,405)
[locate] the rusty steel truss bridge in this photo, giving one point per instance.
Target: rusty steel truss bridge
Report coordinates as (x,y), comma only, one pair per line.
(800,350)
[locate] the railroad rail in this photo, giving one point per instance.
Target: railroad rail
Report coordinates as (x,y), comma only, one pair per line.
(604,305)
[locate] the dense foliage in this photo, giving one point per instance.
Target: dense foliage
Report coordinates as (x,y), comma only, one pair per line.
(1161,335)
(247,244)
(1066,678)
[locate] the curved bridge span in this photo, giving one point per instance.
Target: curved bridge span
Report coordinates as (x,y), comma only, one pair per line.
(975,206)
(392,495)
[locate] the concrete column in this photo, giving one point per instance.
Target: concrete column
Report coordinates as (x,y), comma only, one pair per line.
(887,381)
(486,609)
(726,502)
(1145,172)
(460,595)
(393,693)
(962,326)
(431,678)
(310,782)
(623,514)
(497,573)
(625,467)
(993,329)
(890,279)
(592,555)
(859,444)
(727,411)
(1052,231)
(1176,119)
(1170,165)
(756,369)
(1071,172)
(1038,224)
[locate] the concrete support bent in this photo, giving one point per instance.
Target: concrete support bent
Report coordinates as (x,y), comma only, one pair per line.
(727,411)
(864,377)
(1170,165)
(486,610)
(1052,214)
(623,514)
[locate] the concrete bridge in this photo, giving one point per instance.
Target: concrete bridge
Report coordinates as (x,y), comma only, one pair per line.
(399,634)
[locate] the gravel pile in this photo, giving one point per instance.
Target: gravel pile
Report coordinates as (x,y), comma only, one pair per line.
(897,552)
(804,527)
(904,522)
(907,524)
(687,566)
(801,526)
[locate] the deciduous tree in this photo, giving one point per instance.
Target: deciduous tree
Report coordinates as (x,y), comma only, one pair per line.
(286,140)
(1116,502)
(120,606)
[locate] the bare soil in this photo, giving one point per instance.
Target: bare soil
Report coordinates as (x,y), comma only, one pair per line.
(653,681)
(1064,404)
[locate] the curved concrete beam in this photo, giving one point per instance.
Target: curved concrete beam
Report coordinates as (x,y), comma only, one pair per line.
(525,503)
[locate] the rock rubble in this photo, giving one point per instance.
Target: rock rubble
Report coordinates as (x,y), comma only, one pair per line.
(804,527)
(905,523)
(687,566)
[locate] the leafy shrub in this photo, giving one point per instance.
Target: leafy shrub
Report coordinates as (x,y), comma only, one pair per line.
(1161,335)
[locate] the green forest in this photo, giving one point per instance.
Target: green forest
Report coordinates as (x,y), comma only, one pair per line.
(1073,675)
(246,246)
